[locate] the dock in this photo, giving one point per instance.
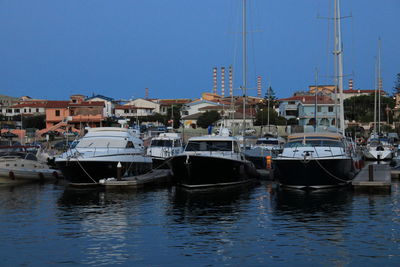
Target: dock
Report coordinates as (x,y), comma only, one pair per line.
(159,176)
(373,178)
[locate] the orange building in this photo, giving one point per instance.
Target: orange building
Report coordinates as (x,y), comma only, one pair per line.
(72,115)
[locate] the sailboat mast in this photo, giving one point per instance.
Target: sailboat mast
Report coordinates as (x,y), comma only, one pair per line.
(338,52)
(379,81)
(244,88)
(376,88)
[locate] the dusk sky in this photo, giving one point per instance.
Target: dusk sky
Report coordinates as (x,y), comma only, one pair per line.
(54,48)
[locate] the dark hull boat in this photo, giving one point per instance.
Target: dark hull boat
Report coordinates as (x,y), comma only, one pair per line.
(93,171)
(205,171)
(316,160)
(212,161)
(314,173)
(97,155)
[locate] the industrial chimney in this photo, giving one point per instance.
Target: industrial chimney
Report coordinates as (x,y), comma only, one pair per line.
(230,81)
(350,84)
(215,80)
(259,86)
(223,81)
(146,93)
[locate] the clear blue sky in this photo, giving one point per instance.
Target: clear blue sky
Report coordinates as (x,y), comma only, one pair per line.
(54,48)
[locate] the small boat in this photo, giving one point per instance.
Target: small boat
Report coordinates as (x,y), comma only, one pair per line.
(379,148)
(164,146)
(316,160)
(97,155)
(17,165)
(210,161)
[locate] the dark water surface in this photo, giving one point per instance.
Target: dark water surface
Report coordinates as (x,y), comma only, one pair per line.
(252,226)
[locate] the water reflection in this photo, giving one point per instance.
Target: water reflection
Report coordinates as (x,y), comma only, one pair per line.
(209,206)
(102,220)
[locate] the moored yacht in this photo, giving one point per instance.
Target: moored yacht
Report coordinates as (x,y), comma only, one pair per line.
(98,153)
(164,146)
(18,165)
(316,160)
(379,148)
(212,161)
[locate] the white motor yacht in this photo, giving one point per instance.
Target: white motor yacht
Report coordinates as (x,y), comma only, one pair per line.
(163,147)
(97,154)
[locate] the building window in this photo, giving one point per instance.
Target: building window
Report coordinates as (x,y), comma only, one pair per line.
(37,110)
(9,110)
(30,111)
(291,102)
(319,109)
(330,109)
(57,113)
(16,110)
(24,110)
(126,110)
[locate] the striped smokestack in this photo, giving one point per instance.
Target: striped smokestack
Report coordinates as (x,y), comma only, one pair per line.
(380,85)
(146,93)
(215,80)
(230,81)
(351,84)
(223,81)
(259,86)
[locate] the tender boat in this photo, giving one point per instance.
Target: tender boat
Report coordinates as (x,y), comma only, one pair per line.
(379,148)
(164,146)
(98,153)
(212,160)
(18,165)
(316,160)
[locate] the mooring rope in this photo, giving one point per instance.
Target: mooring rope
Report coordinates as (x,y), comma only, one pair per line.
(323,168)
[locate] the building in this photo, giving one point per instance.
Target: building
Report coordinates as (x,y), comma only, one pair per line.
(72,115)
(302,108)
(166,104)
(109,104)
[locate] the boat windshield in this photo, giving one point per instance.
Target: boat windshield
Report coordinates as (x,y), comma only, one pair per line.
(209,146)
(313,143)
(163,143)
(267,142)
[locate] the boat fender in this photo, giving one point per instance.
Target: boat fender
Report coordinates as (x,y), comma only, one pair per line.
(268,160)
(11,175)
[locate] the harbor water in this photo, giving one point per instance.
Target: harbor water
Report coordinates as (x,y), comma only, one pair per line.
(257,225)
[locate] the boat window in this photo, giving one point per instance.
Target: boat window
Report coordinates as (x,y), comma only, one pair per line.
(209,146)
(267,142)
(236,147)
(158,142)
(177,143)
(30,157)
(312,143)
(130,145)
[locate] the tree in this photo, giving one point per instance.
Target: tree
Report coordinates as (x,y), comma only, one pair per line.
(38,122)
(274,118)
(361,108)
(396,88)
(208,118)
(270,95)
(174,113)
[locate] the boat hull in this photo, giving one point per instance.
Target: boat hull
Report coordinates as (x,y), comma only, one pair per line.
(314,173)
(203,171)
(83,171)
(378,155)
(21,175)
